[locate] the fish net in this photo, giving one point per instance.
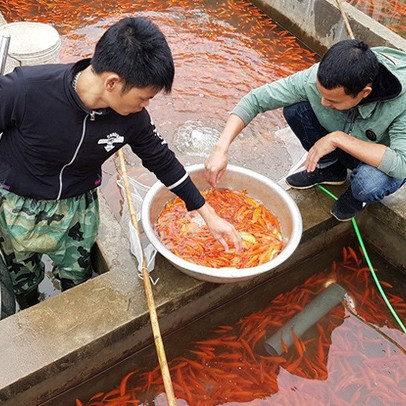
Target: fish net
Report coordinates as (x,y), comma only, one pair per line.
(139,242)
(7,300)
(297,153)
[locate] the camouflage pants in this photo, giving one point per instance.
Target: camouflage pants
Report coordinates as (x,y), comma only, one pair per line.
(65,230)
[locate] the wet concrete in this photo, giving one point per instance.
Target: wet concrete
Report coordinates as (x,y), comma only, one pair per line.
(66,339)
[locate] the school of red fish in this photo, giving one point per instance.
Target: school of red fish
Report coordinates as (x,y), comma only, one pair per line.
(356,355)
(221,49)
(189,238)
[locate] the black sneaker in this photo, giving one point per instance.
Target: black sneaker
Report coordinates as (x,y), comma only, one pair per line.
(347,206)
(335,174)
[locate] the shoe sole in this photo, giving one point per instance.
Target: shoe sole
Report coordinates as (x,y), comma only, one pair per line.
(350,218)
(342,220)
(332,183)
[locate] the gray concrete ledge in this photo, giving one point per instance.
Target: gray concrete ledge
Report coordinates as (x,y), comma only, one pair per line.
(319,24)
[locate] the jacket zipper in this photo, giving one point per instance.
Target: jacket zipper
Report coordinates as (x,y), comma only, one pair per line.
(93,114)
(75,154)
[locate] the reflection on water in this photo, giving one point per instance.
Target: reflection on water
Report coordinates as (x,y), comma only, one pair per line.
(221,48)
(353,355)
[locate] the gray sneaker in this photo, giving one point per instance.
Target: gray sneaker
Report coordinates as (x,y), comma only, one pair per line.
(335,174)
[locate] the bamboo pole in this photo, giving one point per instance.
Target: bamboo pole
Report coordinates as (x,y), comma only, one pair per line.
(344,15)
(170,395)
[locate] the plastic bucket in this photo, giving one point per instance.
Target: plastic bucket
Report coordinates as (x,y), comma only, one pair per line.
(31,43)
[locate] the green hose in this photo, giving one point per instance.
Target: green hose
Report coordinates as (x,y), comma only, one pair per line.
(368,261)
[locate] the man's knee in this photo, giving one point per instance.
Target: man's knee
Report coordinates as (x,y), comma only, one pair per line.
(292,112)
(370,185)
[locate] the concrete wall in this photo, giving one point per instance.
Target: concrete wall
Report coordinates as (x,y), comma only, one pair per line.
(319,23)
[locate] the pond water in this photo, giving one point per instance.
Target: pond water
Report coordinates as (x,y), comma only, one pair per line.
(221,49)
(353,354)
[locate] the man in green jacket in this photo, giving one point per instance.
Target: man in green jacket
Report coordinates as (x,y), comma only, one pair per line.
(348,111)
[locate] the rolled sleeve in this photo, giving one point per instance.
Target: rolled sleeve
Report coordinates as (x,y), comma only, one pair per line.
(242,113)
(387,160)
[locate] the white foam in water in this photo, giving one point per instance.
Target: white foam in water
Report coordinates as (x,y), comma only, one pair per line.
(194,139)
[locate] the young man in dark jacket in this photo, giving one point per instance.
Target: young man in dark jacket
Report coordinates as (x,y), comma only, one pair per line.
(60,123)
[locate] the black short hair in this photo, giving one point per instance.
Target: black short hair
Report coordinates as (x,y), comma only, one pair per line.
(135,49)
(350,64)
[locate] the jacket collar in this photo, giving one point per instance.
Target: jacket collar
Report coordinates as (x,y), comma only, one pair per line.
(73,96)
